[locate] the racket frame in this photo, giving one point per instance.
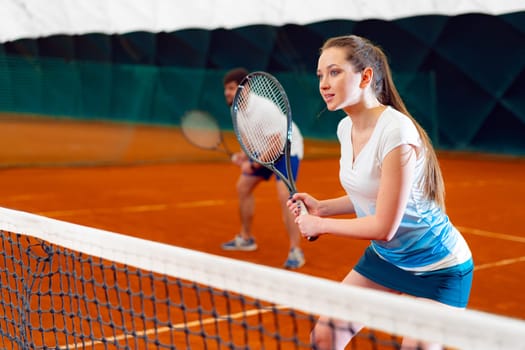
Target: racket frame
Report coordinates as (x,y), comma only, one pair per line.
(286,151)
(220,145)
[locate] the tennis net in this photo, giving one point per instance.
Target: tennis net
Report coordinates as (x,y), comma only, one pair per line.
(67,286)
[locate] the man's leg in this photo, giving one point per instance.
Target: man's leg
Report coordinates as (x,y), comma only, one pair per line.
(244,240)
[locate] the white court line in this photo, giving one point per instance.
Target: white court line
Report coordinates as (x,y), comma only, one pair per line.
(489,234)
(132,209)
(180,326)
(496,235)
(499,263)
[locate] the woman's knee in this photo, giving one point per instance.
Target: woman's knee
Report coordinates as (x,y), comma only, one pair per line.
(329,334)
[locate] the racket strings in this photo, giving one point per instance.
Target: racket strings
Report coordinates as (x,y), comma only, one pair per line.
(262,120)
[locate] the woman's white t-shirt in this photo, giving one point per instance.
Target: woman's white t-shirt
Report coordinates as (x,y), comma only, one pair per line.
(425,239)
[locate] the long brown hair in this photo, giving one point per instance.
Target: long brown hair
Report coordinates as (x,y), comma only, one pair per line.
(362,53)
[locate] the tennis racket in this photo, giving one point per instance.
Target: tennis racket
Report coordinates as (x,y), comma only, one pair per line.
(202,130)
(262,121)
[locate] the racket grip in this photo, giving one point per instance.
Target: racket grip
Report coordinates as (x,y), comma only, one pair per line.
(304,211)
(302,207)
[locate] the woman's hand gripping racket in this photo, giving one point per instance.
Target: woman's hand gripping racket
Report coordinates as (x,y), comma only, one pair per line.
(262,121)
(203,131)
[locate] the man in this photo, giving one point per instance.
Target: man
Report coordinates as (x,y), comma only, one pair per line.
(252,174)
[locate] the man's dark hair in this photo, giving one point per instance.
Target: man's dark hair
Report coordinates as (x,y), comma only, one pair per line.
(236,75)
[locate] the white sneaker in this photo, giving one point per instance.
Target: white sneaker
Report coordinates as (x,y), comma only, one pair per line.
(239,243)
(295,259)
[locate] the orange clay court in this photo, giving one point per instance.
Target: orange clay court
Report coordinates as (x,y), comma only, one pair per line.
(150,183)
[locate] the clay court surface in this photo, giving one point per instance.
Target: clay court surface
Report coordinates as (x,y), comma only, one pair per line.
(148,182)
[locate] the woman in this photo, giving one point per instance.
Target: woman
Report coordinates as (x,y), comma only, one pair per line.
(394,187)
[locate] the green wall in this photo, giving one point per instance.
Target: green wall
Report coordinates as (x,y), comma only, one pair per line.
(462,77)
